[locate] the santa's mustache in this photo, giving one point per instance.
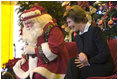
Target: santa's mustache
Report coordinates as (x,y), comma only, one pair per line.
(31,35)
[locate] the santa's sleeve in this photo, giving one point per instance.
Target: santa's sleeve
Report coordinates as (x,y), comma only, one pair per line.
(55,42)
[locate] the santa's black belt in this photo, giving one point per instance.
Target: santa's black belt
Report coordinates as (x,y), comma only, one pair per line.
(42,55)
(32,55)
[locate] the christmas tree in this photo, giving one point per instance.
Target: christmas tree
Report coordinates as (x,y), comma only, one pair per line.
(105,17)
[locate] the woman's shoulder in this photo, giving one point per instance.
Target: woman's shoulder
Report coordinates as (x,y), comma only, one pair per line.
(94,29)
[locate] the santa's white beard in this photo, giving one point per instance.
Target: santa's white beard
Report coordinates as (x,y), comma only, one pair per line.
(31,35)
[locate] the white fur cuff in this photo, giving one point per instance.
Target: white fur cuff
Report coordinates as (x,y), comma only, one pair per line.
(32,62)
(46,50)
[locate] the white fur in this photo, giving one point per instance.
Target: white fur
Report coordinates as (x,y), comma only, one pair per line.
(33,62)
(48,74)
(32,13)
(48,53)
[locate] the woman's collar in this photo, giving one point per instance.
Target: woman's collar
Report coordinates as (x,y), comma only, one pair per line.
(86,28)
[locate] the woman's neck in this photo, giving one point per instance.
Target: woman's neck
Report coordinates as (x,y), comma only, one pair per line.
(82,27)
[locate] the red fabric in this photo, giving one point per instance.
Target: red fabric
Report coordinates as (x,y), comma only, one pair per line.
(29,10)
(35,7)
(72,49)
(12,62)
(26,18)
(113,49)
(108,77)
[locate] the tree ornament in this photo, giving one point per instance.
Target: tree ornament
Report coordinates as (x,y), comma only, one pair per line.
(105,13)
(110,23)
(110,6)
(100,22)
(63,26)
(79,3)
(74,34)
(68,7)
(65,3)
(106,5)
(26,2)
(101,8)
(92,9)
(93,22)
(114,19)
(83,4)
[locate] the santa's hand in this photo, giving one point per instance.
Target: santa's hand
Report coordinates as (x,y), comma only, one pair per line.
(20,62)
(30,49)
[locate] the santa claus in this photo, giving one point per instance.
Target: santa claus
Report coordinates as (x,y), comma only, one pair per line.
(45,47)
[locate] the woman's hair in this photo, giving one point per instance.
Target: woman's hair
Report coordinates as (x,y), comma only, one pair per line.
(77,14)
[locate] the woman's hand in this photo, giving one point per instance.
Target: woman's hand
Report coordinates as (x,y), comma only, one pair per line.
(81,60)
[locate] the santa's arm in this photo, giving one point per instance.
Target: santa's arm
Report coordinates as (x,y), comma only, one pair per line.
(50,50)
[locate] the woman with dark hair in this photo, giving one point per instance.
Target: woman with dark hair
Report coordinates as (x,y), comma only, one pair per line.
(94,57)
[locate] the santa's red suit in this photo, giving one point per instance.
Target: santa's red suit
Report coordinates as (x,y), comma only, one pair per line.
(55,52)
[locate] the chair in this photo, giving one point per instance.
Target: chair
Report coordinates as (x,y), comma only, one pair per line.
(113,49)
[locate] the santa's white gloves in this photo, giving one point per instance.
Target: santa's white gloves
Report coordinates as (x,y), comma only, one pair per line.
(30,49)
(20,62)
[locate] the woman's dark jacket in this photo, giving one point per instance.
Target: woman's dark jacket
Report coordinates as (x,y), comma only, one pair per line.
(94,46)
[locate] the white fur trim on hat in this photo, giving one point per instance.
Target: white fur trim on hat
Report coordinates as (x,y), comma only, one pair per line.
(46,50)
(32,13)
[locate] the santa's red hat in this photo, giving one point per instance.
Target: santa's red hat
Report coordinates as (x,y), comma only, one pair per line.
(35,11)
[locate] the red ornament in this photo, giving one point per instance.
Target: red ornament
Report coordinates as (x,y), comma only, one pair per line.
(93,22)
(101,7)
(110,3)
(114,19)
(111,6)
(83,4)
(74,34)
(68,7)
(79,3)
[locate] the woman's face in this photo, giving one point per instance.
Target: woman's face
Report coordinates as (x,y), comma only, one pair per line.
(74,26)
